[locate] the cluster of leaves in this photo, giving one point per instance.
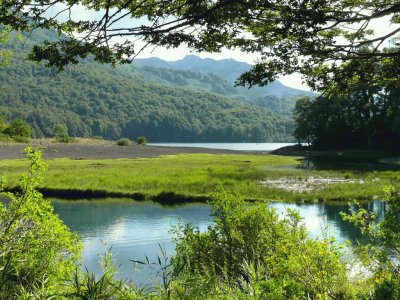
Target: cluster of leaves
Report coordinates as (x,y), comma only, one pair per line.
(124,142)
(360,107)
(37,251)
(17,130)
(382,254)
(289,36)
(141,140)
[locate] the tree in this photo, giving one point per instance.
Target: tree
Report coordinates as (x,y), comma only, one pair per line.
(290,36)
(360,108)
(18,128)
(5,55)
(253,253)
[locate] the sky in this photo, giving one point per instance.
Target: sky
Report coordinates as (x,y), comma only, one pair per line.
(380,27)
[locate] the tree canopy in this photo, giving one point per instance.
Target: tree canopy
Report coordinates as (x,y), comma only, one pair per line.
(290,36)
(360,107)
(97,100)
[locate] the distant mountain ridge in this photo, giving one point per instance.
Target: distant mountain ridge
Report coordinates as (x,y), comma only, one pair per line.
(227,69)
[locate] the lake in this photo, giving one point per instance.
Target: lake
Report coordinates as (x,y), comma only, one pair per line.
(135,229)
(253,147)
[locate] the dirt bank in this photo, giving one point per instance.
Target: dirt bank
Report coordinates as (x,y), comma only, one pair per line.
(99,150)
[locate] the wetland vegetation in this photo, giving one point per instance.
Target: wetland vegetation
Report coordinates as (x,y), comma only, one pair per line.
(192,177)
(249,251)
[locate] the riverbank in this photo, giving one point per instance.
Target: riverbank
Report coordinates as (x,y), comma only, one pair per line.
(341,154)
(182,178)
(97,149)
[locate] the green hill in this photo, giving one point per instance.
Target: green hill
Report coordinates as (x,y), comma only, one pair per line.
(227,71)
(98,100)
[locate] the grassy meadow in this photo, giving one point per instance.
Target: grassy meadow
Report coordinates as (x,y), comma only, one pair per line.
(194,176)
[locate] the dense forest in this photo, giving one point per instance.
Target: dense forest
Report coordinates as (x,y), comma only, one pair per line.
(360,108)
(162,104)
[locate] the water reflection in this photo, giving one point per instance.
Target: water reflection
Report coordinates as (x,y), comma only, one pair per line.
(135,229)
(345,164)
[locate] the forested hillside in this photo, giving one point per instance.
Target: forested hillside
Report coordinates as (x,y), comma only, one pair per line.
(97,100)
(219,76)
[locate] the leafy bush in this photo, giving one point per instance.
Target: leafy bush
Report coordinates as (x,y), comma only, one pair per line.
(382,254)
(61,134)
(37,251)
(124,142)
(251,250)
(141,140)
(18,128)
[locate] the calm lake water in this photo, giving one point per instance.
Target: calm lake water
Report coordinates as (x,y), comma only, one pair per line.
(263,147)
(135,229)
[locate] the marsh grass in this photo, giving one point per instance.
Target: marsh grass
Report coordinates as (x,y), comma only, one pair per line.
(196,175)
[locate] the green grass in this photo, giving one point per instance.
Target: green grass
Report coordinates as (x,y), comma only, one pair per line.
(196,175)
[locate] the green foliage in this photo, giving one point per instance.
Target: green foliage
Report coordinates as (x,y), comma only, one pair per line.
(98,100)
(361,108)
(36,249)
(253,248)
(18,128)
(5,55)
(61,134)
(281,32)
(197,175)
(141,140)
(124,142)
(382,254)
(87,286)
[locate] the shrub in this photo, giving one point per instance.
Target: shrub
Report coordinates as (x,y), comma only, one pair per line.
(37,251)
(61,134)
(253,248)
(18,128)
(124,142)
(141,140)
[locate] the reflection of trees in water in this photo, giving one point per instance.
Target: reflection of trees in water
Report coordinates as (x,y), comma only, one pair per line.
(327,163)
(349,231)
(84,217)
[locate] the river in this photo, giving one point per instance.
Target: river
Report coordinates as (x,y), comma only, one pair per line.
(136,229)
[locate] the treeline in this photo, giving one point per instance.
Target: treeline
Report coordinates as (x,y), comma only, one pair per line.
(360,109)
(97,100)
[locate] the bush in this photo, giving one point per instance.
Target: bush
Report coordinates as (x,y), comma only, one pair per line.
(124,142)
(18,128)
(37,251)
(251,250)
(65,139)
(141,140)
(61,134)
